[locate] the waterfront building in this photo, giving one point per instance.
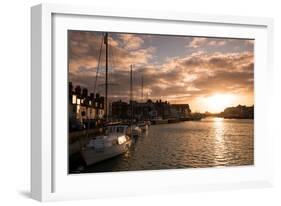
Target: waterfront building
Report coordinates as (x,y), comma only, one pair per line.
(84,107)
(163,109)
(180,110)
(239,112)
(149,110)
(120,110)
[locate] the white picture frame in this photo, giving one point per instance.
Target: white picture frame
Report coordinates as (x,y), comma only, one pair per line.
(49,178)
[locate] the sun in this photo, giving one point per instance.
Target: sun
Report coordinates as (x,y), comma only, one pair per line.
(218,102)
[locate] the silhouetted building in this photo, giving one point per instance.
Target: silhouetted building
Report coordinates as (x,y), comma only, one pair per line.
(149,110)
(163,109)
(120,109)
(239,112)
(85,93)
(84,107)
(78,90)
(180,110)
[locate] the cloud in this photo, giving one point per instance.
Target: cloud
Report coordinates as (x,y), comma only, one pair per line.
(217,43)
(177,79)
(202,74)
(84,49)
(198,42)
(130,41)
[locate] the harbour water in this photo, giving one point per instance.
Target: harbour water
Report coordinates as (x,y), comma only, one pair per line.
(192,144)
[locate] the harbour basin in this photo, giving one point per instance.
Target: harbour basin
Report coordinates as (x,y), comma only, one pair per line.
(211,142)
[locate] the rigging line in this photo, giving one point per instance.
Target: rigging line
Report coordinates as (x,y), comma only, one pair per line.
(97,71)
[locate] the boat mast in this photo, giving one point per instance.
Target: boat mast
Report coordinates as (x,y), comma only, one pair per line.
(106,74)
(131,92)
(142,88)
(131,83)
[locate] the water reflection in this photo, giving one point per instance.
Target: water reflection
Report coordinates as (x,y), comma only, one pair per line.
(220,148)
(207,143)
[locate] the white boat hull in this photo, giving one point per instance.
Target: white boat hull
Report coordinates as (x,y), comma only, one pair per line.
(92,156)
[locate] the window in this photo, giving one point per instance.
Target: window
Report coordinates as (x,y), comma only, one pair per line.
(74,99)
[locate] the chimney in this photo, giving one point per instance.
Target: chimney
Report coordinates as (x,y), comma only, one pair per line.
(78,90)
(92,96)
(85,92)
(70,87)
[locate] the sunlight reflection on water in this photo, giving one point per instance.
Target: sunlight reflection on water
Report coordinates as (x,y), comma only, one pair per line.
(206,143)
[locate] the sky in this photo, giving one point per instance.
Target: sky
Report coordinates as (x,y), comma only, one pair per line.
(207,73)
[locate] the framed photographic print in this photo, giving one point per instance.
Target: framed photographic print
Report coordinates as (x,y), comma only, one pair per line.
(134,102)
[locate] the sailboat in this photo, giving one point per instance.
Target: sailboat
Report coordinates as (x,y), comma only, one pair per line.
(116,141)
(136,130)
(117,138)
(143,125)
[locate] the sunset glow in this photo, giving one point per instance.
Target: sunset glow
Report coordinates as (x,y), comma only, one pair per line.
(209,74)
(218,102)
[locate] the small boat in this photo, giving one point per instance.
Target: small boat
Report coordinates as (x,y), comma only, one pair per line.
(173,120)
(115,142)
(143,125)
(159,121)
(136,131)
(196,117)
(148,123)
(186,118)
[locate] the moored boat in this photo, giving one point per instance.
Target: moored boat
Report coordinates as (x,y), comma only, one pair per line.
(143,125)
(136,131)
(196,117)
(173,120)
(115,142)
(159,121)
